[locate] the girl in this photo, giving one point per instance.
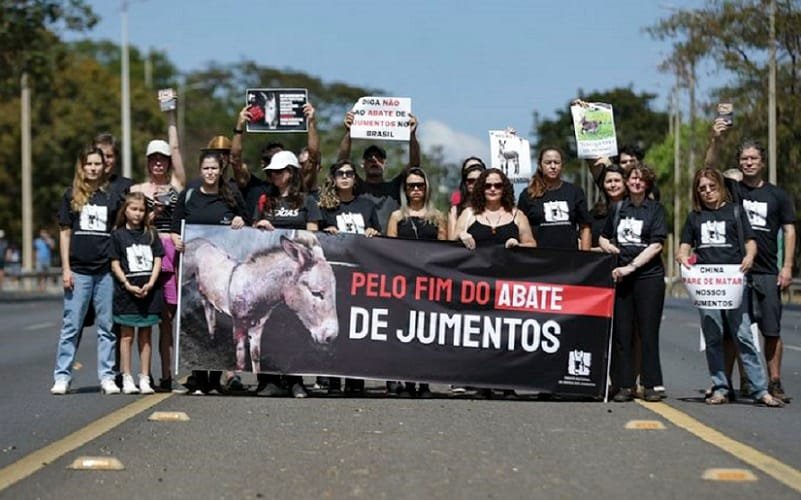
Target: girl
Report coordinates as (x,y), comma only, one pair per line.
(136,254)
(712,208)
(85,217)
(556,209)
(471,169)
(417,219)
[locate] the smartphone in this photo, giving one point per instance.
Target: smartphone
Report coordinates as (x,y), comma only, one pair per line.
(163,198)
(726,112)
(168,99)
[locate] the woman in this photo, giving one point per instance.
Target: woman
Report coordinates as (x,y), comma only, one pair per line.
(283,205)
(87,213)
(344,210)
(733,243)
(556,209)
(165,179)
(635,231)
(212,203)
(417,219)
(471,169)
(613,187)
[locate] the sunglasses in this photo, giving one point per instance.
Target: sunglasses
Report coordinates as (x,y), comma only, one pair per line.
(345,174)
(470,182)
(498,186)
(411,186)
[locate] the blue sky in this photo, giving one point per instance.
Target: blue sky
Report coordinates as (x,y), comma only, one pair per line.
(468,65)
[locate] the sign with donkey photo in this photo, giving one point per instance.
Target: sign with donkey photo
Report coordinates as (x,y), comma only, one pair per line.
(594,127)
(276,110)
(511,154)
(303,303)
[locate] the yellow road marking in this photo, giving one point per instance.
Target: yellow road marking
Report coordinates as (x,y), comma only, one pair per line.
(31,463)
(96,463)
(785,474)
(729,475)
(645,425)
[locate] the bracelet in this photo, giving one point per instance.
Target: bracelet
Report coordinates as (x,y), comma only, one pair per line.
(238,131)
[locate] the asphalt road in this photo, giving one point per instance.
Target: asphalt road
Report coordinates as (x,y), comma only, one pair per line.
(380,447)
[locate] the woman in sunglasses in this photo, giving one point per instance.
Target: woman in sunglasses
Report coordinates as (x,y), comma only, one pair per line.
(720,233)
(343,209)
(471,169)
(417,219)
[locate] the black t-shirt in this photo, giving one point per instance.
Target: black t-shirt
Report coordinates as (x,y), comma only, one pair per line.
(597,226)
(197,207)
(285,217)
(352,216)
(385,196)
(556,216)
(713,235)
(637,227)
(417,228)
(768,208)
(135,250)
(90,243)
(121,185)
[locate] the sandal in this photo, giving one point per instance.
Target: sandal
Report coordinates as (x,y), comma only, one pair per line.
(771,402)
(717,398)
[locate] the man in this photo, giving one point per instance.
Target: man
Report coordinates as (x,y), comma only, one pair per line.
(770,210)
(385,194)
(108,145)
(43,250)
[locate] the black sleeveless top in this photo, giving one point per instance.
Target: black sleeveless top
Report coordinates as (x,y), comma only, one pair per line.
(162,220)
(417,228)
(487,235)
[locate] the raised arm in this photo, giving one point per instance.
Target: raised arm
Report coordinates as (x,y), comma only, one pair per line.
(241,173)
(311,167)
(414,145)
(178,180)
(712,156)
(344,146)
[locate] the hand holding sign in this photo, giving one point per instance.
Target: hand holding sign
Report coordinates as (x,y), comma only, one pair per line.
(385,118)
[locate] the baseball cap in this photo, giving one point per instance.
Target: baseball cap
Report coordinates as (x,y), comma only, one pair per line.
(281,160)
(158,146)
(374,150)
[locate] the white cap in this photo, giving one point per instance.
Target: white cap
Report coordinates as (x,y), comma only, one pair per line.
(158,146)
(283,159)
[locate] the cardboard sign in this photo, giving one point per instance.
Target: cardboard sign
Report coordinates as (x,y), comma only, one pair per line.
(511,154)
(714,286)
(276,110)
(382,118)
(594,127)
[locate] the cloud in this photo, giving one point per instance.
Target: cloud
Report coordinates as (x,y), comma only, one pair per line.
(456,146)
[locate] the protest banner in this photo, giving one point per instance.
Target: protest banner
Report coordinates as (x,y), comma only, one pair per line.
(383,118)
(390,309)
(276,110)
(594,128)
(511,154)
(714,286)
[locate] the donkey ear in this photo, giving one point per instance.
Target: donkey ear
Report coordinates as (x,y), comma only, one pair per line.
(298,252)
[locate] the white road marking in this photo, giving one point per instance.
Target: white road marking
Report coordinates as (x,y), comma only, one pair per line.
(792,347)
(39,326)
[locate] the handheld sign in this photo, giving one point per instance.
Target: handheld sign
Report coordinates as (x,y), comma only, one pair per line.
(383,118)
(511,154)
(714,286)
(276,110)
(168,100)
(594,127)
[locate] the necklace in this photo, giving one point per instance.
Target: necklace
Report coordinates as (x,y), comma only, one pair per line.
(494,225)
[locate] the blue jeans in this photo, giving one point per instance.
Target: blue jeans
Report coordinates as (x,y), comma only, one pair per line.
(739,324)
(99,289)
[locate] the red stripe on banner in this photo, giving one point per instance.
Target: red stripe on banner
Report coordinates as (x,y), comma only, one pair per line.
(554,298)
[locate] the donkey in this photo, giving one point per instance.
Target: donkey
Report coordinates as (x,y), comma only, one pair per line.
(508,155)
(589,126)
(295,273)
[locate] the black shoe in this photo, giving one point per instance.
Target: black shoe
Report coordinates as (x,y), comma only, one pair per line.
(408,390)
(424,392)
(298,391)
(483,393)
(651,395)
(509,394)
(624,395)
(322,383)
(234,384)
(775,389)
(354,387)
(271,389)
(165,385)
(394,388)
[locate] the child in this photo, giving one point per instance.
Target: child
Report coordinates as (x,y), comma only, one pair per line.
(136,254)
(85,216)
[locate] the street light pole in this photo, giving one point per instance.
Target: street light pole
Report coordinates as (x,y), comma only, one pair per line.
(126,95)
(27,187)
(772,97)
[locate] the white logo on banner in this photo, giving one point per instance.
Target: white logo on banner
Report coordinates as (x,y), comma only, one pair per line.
(713,232)
(140,258)
(556,211)
(94,218)
(757,213)
(579,363)
(629,231)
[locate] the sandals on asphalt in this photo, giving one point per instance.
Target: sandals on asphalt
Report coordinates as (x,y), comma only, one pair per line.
(771,401)
(717,398)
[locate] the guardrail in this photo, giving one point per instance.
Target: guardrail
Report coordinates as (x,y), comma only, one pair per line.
(26,280)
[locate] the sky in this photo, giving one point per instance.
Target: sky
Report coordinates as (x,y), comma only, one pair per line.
(470,66)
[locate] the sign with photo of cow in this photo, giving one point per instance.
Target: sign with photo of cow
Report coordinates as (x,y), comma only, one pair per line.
(511,154)
(389,309)
(594,127)
(276,110)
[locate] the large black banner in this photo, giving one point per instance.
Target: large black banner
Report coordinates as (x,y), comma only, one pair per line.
(390,309)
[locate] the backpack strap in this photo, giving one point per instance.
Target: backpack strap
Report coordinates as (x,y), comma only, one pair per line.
(739,223)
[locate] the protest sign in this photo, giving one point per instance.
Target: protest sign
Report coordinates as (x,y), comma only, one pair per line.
(511,154)
(276,110)
(390,309)
(594,128)
(383,118)
(714,286)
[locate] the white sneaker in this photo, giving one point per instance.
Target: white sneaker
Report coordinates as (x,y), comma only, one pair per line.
(144,384)
(128,385)
(107,386)
(60,387)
